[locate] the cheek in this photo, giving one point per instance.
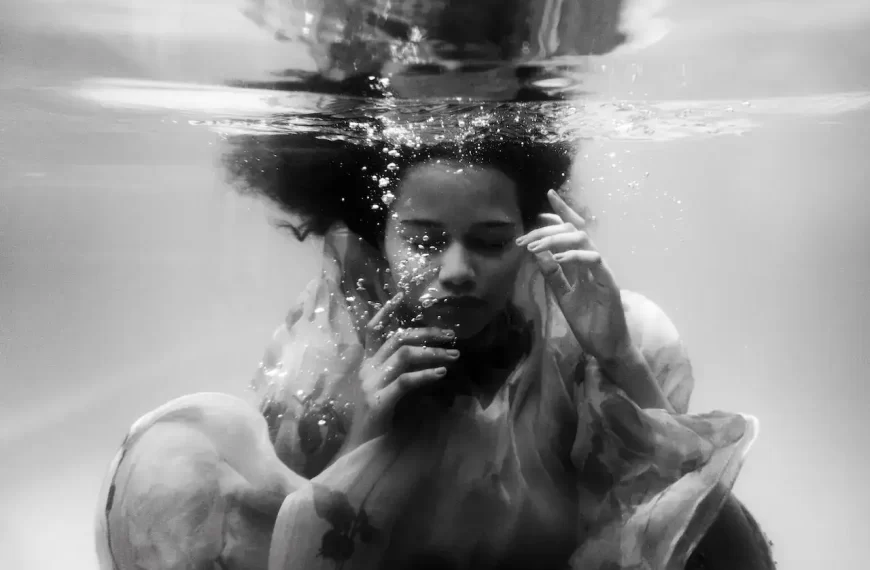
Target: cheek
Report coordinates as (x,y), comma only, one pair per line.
(498,275)
(407,266)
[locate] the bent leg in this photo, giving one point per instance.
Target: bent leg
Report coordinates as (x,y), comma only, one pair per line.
(196,485)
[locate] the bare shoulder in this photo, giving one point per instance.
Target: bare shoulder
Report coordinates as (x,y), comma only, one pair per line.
(649,326)
(658,340)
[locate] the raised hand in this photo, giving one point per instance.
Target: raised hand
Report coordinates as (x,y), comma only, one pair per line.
(580,280)
(397,362)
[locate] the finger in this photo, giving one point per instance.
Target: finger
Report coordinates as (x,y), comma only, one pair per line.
(553,274)
(562,242)
(546,231)
(583,256)
(375,327)
(565,211)
(549,220)
(408,382)
(412,337)
(412,358)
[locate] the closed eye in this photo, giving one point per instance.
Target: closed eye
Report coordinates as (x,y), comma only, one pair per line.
(490,245)
(430,244)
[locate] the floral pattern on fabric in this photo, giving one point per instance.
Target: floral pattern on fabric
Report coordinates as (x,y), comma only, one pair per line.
(306,380)
(650,482)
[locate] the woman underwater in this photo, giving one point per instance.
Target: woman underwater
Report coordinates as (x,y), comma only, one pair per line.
(464,386)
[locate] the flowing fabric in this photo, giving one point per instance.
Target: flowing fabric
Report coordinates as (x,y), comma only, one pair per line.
(559,465)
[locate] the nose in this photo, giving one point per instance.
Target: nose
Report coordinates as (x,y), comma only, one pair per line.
(457,272)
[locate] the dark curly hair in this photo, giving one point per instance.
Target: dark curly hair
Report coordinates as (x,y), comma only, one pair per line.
(320,182)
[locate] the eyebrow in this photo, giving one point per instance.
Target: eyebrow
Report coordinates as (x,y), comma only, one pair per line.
(431,224)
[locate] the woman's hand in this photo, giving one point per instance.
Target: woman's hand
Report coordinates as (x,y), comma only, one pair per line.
(580,280)
(397,362)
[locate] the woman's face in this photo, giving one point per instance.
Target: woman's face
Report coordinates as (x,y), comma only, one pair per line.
(450,243)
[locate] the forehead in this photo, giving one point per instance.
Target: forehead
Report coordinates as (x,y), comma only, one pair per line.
(452,193)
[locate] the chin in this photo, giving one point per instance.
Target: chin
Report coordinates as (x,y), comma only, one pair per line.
(464,325)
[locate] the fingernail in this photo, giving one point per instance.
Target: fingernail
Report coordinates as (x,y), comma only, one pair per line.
(535,247)
(559,256)
(449,334)
(521,240)
(452,353)
(441,371)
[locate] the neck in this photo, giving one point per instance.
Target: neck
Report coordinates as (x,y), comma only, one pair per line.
(485,338)
(488,358)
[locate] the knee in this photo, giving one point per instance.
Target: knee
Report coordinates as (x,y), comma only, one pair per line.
(196,481)
(163,505)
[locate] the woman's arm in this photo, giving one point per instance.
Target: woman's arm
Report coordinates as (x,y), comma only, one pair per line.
(630,371)
(598,313)
(653,369)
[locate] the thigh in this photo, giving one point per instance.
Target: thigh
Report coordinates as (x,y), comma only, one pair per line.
(195,485)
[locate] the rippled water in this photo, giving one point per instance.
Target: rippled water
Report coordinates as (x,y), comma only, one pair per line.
(238,110)
(725,162)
